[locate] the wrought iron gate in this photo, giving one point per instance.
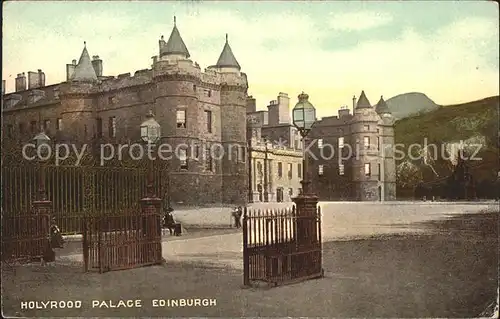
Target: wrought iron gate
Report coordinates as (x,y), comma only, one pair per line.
(280,247)
(129,240)
(122,228)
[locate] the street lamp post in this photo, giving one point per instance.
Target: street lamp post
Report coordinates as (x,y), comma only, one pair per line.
(151,204)
(304,117)
(42,206)
(42,145)
(150,133)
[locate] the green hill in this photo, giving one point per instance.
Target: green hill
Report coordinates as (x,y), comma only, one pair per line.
(477,120)
(408,104)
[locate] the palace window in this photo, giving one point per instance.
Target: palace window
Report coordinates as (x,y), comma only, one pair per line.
(379,172)
(9,131)
(181,118)
(196,152)
(99,126)
(208,121)
(341,169)
(59,125)
(378,143)
(367,127)
(111,100)
(290,171)
(320,143)
(299,170)
(320,169)
(368,169)
(208,159)
(366,142)
(112,126)
(183,159)
(46,125)
(33,128)
(21,128)
(280,169)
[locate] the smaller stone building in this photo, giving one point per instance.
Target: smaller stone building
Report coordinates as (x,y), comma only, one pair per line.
(351,156)
(275,161)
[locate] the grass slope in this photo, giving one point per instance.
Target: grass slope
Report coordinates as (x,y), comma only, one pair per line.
(453,123)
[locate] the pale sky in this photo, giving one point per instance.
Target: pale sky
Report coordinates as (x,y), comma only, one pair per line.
(331,50)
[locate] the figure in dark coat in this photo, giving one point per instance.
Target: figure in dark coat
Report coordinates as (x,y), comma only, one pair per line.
(238,212)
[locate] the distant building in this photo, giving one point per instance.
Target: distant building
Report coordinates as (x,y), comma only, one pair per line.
(367,174)
(192,106)
(272,167)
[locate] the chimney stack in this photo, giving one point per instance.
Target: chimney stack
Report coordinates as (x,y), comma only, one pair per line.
(41,78)
(21,82)
(97,65)
(34,79)
(354,102)
(343,111)
(251,104)
(70,68)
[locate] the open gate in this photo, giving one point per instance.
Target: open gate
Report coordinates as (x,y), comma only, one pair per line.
(280,247)
(122,227)
(129,240)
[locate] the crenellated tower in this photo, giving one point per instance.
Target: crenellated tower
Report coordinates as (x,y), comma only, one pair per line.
(233,98)
(364,162)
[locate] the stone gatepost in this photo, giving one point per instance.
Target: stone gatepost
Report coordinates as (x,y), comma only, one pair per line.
(151,226)
(41,247)
(306,212)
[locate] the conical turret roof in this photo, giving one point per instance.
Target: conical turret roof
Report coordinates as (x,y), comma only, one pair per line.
(175,44)
(363,102)
(84,71)
(382,107)
(226,58)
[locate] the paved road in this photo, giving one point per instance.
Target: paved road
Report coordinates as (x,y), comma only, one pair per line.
(340,221)
(450,272)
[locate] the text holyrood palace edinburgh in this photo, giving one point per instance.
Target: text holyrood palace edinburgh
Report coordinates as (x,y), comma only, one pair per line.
(212,106)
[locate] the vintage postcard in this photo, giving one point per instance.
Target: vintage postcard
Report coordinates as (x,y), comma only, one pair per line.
(250,159)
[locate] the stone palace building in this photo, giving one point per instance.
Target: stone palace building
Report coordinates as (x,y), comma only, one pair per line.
(191,105)
(353,154)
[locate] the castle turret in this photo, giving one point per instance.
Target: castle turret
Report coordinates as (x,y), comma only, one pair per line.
(227,61)
(178,111)
(76,111)
(364,161)
(233,97)
(174,48)
(386,139)
(84,71)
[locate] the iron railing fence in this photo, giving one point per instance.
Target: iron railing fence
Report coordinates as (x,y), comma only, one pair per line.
(280,247)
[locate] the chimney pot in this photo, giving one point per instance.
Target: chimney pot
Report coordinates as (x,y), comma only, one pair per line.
(39,70)
(74,62)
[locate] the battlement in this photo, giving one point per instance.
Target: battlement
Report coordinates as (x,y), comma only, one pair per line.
(124,80)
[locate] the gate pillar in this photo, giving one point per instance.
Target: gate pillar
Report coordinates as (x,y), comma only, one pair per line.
(306,208)
(151,227)
(40,227)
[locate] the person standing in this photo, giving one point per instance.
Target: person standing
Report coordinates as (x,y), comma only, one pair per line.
(237,217)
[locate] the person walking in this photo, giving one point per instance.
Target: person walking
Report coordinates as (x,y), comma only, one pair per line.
(237,216)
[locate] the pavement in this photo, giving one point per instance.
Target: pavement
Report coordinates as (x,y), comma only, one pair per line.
(380,260)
